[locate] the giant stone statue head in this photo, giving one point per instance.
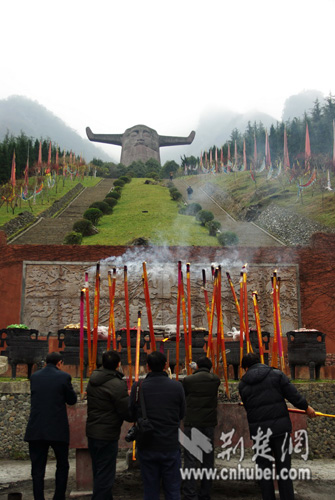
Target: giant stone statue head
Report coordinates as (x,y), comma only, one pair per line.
(139,142)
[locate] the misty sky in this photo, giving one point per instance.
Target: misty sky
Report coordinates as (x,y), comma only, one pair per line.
(112,64)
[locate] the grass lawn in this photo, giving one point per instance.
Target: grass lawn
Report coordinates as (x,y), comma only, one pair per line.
(43,201)
(315,202)
(147,211)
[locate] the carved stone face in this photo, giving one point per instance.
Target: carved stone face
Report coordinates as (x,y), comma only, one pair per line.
(139,143)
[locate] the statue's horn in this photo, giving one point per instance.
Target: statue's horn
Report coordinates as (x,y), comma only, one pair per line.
(115,139)
(168,140)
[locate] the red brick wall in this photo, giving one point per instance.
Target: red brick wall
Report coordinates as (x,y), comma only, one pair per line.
(316,270)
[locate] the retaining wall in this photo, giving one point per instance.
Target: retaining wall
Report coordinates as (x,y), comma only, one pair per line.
(15,408)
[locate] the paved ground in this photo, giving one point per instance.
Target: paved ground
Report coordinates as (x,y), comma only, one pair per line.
(51,231)
(15,477)
(248,233)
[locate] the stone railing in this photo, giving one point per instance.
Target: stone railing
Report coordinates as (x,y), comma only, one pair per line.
(15,408)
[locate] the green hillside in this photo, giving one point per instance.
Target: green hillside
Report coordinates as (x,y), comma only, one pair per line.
(147,211)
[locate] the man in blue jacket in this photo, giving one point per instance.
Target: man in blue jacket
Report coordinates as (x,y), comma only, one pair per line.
(263,391)
(48,425)
(159,453)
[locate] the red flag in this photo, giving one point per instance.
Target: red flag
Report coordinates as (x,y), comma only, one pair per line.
(13,174)
(206,160)
(57,160)
(49,154)
(235,155)
(201,159)
(71,157)
(255,152)
(221,157)
(307,148)
(286,157)
(39,162)
(210,158)
(216,159)
(244,156)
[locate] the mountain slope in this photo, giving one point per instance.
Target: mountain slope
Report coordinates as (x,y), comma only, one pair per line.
(20,114)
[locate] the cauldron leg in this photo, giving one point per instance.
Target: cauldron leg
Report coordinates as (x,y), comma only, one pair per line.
(317,371)
(312,370)
(30,367)
(14,370)
(292,369)
(236,367)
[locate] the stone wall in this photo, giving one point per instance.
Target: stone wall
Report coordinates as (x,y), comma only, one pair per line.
(15,408)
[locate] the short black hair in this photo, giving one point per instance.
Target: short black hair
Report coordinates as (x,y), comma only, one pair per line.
(110,360)
(204,362)
(53,358)
(250,359)
(156,361)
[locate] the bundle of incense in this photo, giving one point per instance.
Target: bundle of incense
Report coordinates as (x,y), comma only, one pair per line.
(148,305)
(125,274)
(88,321)
(258,326)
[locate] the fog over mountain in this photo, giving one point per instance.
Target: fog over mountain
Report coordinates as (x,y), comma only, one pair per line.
(18,113)
(214,127)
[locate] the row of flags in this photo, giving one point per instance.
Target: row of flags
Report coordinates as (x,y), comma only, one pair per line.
(210,164)
(41,169)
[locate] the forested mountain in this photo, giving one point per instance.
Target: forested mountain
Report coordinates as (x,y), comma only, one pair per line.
(20,114)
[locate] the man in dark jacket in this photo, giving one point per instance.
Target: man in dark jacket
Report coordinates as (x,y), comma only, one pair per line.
(159,454)
(263,391)
(51,390)
(107,408)
(201,390)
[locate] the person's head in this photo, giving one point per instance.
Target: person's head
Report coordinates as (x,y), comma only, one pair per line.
(250,359)
(54,358)
(156,361)
(204,362)
(110,360)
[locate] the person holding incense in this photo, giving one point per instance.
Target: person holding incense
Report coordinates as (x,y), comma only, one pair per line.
(51,391)
(201,391)
(107,408)
(163,400)
(263,391)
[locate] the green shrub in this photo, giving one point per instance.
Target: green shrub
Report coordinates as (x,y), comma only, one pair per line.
(93,215)
(125,178)
(213,227)
(117,189)
(73,238)
(84,227)
(109,195)
(111,202)
(119,182)
(191,209)
(115,195)
(101,205)
(175,194)
(227,238)
(204,216)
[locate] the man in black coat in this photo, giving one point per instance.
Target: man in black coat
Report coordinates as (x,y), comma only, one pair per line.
(51,390)
(159,453)
(107,407)
(263,391)
(201,391)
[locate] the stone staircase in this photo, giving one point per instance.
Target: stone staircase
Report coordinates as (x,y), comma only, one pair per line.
(52,231)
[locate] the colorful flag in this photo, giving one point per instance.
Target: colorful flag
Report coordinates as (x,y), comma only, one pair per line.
(286,156)
(201,159)
(244,156)
(307,149)
(57,161)
(216,159)
(26,173)
(49,160)
(267,151)
(235,155)
(13,174)
(255,152)
(39,162)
